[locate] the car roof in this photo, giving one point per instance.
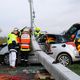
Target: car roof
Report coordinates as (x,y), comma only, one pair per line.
(53,34)
(77,25)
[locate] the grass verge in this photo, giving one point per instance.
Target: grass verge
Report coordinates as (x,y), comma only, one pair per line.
(75,67)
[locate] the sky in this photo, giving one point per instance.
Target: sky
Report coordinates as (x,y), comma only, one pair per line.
(53,16)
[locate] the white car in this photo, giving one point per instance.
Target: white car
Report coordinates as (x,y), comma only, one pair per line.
(4,55)
(61,50)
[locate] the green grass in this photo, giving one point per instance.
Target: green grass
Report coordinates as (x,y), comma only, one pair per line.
(75,67)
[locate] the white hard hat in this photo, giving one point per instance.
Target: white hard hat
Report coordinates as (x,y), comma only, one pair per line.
(15,29)
(26,29)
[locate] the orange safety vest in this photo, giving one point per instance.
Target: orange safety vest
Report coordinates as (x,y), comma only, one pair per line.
(18,39)
(25,42)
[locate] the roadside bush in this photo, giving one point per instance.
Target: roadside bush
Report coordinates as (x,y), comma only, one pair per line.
(3,40)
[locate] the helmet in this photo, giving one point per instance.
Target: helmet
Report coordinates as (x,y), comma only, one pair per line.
(26,29)
(37,29)
(15,29)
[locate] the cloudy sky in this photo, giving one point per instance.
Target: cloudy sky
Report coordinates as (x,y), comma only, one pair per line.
(54,16)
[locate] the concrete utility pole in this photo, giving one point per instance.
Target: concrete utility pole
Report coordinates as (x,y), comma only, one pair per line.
(31,13)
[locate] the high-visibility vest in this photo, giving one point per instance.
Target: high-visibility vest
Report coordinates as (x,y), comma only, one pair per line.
(12,37)
(25,42)
(36,34)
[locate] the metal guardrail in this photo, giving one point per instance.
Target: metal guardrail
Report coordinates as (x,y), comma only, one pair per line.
(58,71)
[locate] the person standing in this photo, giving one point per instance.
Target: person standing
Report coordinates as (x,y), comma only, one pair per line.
(25,44)
(13,41)
(37,32)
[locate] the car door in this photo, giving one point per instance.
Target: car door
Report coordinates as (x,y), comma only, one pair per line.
(4,50)
(58,46)
(41,42)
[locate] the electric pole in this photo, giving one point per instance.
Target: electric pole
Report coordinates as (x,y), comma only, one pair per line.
(31,14)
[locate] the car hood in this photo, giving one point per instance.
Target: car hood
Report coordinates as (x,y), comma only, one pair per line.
(4,50)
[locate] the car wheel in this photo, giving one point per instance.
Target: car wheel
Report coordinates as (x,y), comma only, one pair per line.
(6,59)
(64,59)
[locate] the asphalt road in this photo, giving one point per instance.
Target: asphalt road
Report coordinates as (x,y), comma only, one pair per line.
(23,72)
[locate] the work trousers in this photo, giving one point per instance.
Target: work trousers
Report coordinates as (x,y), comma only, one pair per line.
(12,58)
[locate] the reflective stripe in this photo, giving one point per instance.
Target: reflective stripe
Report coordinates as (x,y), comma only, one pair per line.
(25,46)
(25,36)
(25,49)
(13,50)
(25,41)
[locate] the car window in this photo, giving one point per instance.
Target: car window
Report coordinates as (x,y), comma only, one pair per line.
(61,39)
(72,30)
(42,39)
(52,39)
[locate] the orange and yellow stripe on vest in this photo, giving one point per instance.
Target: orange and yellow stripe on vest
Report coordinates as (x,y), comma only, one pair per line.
(25,46)
(27,41)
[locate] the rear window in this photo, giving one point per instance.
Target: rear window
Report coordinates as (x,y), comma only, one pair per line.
(72,30)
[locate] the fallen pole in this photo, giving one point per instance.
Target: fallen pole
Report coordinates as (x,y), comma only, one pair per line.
(58,71)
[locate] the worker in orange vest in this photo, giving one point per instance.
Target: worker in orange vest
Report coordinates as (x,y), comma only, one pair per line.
(25,44)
